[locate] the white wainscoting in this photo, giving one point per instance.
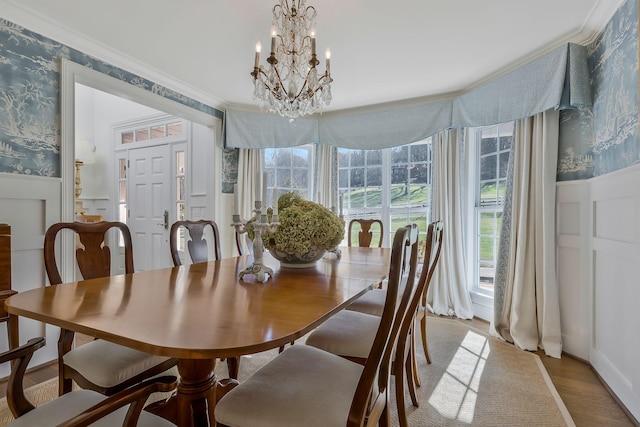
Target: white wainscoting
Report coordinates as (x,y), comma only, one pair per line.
(615,265)
(29,205)
(572,254)
(598,249)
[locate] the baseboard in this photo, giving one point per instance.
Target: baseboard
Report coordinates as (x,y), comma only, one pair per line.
(615,397)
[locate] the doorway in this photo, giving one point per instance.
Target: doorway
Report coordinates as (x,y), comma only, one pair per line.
(204,153)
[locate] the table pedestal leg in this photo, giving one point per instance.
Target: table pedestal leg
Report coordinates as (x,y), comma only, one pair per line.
(194,402)
(196,392)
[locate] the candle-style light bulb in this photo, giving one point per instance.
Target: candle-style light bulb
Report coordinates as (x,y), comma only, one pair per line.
(273,40)
(258,49)
(327,54)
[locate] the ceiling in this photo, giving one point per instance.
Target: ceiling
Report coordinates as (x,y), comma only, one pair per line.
(381,51)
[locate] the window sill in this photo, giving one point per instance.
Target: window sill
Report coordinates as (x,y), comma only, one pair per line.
(482,305)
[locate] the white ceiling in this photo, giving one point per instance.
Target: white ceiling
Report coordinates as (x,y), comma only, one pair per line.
(382,51)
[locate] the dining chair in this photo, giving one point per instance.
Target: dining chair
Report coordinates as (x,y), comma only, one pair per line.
(421,313)
(349,333)
(82,407)
(98,365)
(306,386)
(373,301)
(365,234)
(198,250)
(197,246)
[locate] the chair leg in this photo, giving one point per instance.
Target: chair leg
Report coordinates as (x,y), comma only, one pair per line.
(423,330)
(281,348)
(233,366)
(385,417)
(414,361)
(411,385)
(65,385)
(399,375)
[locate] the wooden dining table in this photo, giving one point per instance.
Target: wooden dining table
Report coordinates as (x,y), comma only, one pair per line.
(200,312)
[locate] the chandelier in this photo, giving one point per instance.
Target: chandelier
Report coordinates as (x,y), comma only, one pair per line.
(291,85)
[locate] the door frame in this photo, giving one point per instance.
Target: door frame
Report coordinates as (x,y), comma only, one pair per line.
(72,73)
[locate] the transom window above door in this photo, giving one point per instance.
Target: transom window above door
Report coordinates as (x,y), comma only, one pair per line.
(154,132)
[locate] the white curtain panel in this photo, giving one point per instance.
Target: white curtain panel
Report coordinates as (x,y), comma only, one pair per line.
(249,180)
(448,293)
(527,311)
(324,155)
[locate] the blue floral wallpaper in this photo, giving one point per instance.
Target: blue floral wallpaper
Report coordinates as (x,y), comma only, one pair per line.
(30,93)
(606,139)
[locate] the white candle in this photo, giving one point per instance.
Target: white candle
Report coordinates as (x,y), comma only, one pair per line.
(313,42)
(275,201)
(264,191)
(236,200)
(319,198)
(341,201)
(256,184)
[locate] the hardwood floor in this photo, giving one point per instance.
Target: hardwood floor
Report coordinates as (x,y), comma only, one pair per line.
(586,398)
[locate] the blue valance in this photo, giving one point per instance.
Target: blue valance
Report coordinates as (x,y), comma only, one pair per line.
(558,79)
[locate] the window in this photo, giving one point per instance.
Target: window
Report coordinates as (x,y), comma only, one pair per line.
(493,147)
(122,195)
(180,198)
(289,169)
(152,133)
(392,184)
(180,185)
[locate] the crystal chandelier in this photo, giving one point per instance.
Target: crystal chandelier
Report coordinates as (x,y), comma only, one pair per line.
(291,85)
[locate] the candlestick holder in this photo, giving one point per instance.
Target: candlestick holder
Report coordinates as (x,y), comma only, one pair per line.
(260,225)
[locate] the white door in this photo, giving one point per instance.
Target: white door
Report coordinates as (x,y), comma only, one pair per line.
(149,199)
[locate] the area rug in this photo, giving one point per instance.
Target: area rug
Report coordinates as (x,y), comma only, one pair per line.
(474,380)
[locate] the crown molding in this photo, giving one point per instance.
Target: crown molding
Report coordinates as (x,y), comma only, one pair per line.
(599,17)
(13,11)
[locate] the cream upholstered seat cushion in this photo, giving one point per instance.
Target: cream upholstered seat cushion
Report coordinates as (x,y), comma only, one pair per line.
(303,386)
(107,364)
(347,333)
(71,404)
(371,302)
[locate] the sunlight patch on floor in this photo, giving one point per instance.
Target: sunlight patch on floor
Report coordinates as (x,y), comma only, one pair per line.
(455,394)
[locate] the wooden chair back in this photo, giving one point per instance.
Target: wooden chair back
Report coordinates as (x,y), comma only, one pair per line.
(19,405)
(365,235)
(93,256)
(197,245)
(5,278)
(370,399)
(431,256)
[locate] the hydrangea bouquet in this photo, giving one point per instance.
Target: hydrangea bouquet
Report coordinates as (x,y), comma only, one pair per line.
(304,226)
